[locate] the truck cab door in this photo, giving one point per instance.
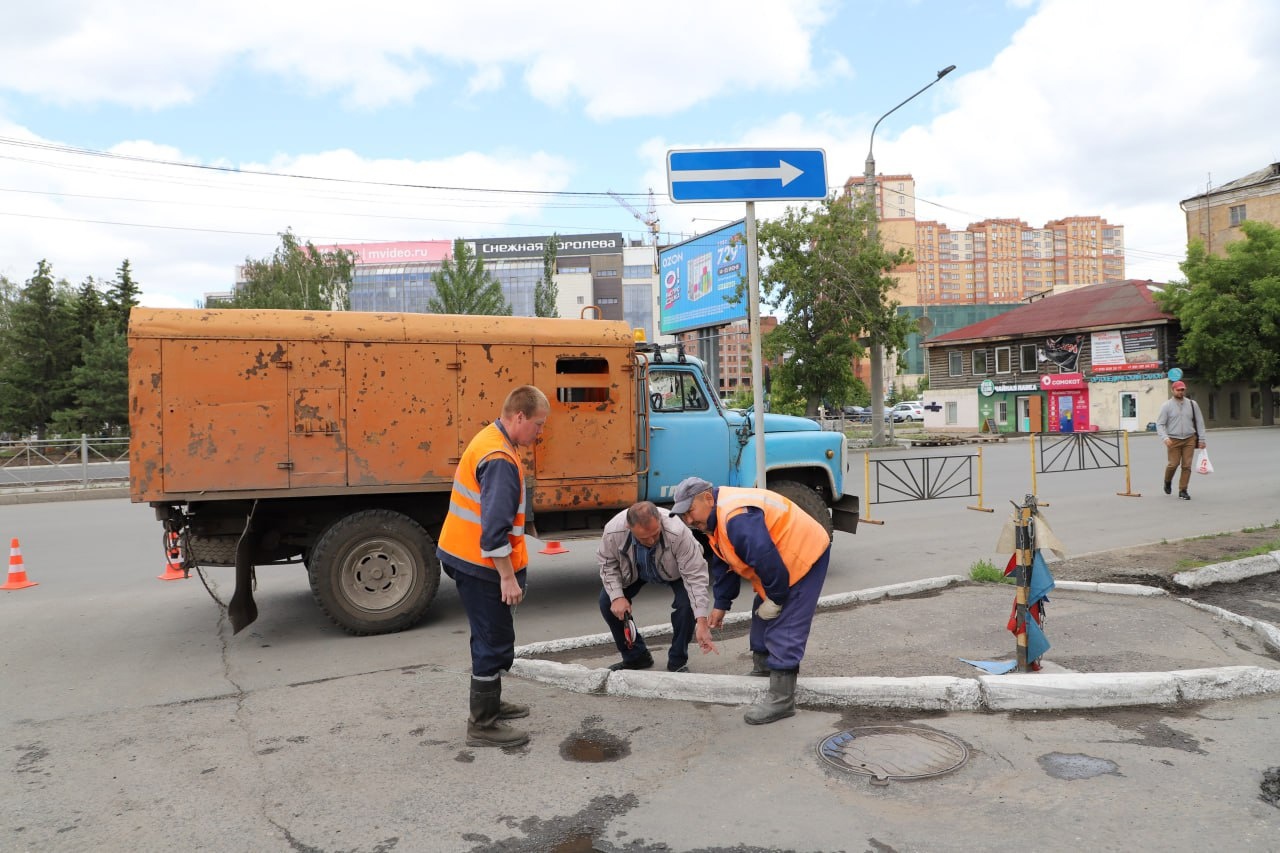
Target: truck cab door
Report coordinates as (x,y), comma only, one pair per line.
(688,434)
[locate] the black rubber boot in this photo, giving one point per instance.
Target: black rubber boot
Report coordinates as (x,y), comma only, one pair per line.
(1182,494)
(1168,487)
(779,702)
(510,710)
(483,728)
(759,664)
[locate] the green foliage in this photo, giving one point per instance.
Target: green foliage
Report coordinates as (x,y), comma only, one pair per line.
(99,386)
(545,291)
(40,346)
(297,276)
(984,571)
(1229,308)
(784,398)
(743,398)
(122,297)
(828,275)
(463,286)
(922,385)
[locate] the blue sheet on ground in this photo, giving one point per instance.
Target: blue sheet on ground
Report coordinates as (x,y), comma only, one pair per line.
(995,667)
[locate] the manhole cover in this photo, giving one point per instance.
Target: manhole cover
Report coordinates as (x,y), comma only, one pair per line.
(892,752)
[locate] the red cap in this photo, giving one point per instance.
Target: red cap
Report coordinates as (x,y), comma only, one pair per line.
(1179,384)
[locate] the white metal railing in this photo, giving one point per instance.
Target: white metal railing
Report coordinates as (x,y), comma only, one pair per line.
(81,462)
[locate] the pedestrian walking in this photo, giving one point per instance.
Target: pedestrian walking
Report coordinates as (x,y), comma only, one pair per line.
(1180,426)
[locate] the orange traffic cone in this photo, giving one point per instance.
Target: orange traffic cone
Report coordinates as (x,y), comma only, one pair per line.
(17,572)
(173,569)
(554,547)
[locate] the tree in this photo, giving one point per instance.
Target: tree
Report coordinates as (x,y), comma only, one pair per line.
(297,276)
(40,347)
(122,297)
(828,275)
(545,292)
(1229,311)
(463,286)
(99,386)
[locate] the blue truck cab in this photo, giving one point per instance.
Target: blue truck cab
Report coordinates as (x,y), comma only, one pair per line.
(689,431)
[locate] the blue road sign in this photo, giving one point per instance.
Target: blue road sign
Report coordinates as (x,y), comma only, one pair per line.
(747,174)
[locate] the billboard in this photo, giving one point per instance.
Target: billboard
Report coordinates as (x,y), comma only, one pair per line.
(410,252)
(567,245)
(700,276)
(1125,350)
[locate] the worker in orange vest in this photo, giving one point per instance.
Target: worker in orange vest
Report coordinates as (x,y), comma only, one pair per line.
(783,553)
(482,548)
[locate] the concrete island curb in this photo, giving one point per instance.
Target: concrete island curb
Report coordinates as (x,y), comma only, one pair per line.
(1011,692)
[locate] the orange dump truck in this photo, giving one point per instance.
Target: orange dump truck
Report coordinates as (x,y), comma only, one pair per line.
(331,439)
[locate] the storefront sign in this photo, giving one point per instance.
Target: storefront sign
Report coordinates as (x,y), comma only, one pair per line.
(1125,377)
(1061,381)
(986,387)
(1022,386)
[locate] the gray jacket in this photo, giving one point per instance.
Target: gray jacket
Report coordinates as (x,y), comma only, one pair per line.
(677,554)
(1176,420)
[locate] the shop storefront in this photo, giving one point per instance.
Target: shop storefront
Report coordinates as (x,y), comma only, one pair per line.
(1011,406)
(1067,402)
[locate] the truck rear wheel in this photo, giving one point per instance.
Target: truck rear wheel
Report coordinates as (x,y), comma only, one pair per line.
(808,500)
(374,572)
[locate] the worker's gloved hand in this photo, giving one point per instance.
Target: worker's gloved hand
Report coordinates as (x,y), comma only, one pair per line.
(768,610)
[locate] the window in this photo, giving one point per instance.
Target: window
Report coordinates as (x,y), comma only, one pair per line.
(979,362)
(1237,214)
(1028,359)
(952,416)
(955,363)
(1003,355)
(1002,406)
(637,271)
(1233,403)
(674,391)
(582,380)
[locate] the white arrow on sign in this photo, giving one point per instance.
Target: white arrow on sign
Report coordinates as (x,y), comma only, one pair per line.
(785,172)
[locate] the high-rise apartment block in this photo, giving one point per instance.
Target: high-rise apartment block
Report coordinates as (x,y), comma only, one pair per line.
(995,261)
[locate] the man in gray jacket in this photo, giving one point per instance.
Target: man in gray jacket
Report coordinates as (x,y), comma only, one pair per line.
(1181,427)
(645,544)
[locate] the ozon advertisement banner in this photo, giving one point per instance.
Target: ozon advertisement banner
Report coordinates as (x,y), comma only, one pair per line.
(699,277)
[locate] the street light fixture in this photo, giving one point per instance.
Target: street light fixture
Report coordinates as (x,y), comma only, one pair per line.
(877,346)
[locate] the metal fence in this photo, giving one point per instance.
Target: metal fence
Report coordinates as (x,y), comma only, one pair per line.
(64,462)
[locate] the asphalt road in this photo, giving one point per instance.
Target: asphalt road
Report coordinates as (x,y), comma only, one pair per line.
(132,719)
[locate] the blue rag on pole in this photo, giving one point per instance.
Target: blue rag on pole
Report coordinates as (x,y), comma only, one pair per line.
(1041,580)
(1037,643)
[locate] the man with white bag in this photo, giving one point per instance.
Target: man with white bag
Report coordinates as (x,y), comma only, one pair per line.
(1180,426)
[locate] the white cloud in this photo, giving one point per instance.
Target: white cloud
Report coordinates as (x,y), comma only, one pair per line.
(487,79)
(142,54)
(185,230)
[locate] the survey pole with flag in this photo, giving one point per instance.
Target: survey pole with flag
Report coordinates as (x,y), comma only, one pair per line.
(749,175)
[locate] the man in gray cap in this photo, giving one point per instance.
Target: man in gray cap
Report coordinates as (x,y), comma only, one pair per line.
(783,553)
(1181,427)
(645,544)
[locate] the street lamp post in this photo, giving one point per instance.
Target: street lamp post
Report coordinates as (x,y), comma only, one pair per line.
(877,345)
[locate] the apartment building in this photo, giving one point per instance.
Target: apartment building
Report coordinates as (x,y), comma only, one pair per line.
(1215,216)
(726,350)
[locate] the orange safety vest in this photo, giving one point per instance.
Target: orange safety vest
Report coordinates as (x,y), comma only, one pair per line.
(460,535)
(800,539)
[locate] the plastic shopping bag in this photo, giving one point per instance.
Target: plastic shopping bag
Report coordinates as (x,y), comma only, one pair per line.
(1200,462)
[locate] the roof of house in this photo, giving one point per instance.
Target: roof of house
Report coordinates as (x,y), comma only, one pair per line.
(1110,305)
(1267,174)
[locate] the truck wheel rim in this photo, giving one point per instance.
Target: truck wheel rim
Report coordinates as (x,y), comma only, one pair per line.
(377,575)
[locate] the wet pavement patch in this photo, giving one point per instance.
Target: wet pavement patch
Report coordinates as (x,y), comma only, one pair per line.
(898,753)
(1075,766)
(592,744)
(1271,786)
(575,833)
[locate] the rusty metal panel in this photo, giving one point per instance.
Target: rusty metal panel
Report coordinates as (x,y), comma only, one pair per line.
(487,374)
(402,413)
(317,435)
(145,436)
(225,420)
(591,431)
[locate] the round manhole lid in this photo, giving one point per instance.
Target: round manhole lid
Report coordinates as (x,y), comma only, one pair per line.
(892,752)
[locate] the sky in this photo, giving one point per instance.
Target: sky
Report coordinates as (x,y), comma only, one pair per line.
(185,137)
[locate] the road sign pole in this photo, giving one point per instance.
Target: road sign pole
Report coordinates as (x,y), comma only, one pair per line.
(753,328)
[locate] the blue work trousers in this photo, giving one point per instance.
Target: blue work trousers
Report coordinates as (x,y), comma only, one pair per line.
(784,638)
(493,632)
(682,623)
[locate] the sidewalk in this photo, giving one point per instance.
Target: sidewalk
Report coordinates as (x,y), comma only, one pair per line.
(901,646)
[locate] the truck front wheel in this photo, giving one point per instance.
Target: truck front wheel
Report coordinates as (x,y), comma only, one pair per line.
(374,572)
(808,500)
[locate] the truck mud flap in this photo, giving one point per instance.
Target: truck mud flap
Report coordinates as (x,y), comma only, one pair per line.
(845,513)
(242,610)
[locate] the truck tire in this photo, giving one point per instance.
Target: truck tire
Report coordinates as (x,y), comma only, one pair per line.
(212,550)
(374,572)
(808,500)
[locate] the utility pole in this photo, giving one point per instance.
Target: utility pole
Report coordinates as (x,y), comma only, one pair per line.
(877,335)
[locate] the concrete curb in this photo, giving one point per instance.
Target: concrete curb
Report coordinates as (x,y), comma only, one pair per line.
(1235,570)
(1011,692)
(56,495)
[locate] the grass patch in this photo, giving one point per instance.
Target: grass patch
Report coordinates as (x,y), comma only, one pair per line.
(1264,548)
(984,571)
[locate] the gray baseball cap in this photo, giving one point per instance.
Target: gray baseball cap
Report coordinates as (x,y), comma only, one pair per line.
(686,491)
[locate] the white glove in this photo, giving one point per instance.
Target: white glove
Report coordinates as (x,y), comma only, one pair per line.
(768,610)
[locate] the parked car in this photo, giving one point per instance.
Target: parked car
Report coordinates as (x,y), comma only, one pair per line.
(913,410)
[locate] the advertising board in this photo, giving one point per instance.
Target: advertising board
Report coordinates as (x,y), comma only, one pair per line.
(699,280)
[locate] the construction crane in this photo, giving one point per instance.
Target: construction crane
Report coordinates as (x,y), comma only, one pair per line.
(649,217)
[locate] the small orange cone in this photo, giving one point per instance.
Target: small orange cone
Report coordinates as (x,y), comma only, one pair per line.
(173,570)
(17,572)
(554,547)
